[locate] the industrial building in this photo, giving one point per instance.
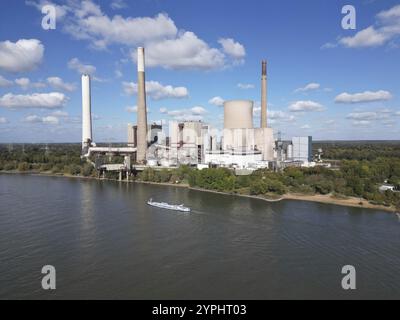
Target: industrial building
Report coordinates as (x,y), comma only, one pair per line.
(241,145)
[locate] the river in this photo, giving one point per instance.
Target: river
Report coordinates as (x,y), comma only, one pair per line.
(106,243)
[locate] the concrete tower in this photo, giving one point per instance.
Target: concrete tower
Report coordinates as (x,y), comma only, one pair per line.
(141,109)
(264,94)
(86,113)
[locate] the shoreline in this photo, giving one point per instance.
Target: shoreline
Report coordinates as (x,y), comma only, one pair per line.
(318,198)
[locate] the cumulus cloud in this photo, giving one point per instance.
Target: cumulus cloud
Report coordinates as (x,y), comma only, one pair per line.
(305,106)
(305,127)
(166,45)
(88,22)
(308,87)
(193,114)
(5,82)
(232,48)
(81,68)
(59,84)
(385,29)
(366,96)
(26,83)
(362,115)
(118,4)
(157,91)
(21,56)
(60,114)
(133,109)
(217,101)
(61,10)
(51,100)
(245,86)
(369,37)
(186,51)
(37,119)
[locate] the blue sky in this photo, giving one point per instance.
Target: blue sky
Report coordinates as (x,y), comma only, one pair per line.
(323,80)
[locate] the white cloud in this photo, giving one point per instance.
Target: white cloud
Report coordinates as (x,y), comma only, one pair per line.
(59,84)
(361,123)
(3,120)
(232,48)
(216,101)
(50,120)
(118,4)
(133,109)
(81,68)
(61,10)
(362,115)
(60,114)
(23,55)
(245,86)
(157,91)
(308,87)
(5,82)
(163,110)
(300,106)
(88,22)
(51,100)
(366,96)
(368,37)
(386,28)
(198,110)
(186,51)
(166,45)
(193,114)
(305,127)
(45,120)
(25,83)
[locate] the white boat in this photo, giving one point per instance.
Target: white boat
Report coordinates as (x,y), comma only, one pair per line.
(164,205)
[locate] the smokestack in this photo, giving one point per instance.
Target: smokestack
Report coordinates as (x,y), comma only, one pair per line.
(264,94)
(141,109)
(86,113)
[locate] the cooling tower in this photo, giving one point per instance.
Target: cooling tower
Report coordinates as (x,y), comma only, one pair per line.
(263,94)
(141,109)
(238,114)
(86,113)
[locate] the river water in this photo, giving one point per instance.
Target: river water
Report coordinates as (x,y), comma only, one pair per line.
(106,243)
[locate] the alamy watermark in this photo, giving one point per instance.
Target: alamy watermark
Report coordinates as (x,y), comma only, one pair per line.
(349,280)
(49,280)
(49,21)
(349,21)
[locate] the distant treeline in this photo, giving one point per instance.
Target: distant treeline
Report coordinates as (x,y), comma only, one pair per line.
(358,150)
(364,167)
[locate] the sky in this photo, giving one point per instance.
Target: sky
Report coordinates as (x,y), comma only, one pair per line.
(323,80)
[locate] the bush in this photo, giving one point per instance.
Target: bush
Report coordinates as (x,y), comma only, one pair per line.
(23,166)
(87,169)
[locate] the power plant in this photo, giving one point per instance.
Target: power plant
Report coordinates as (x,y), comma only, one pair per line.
(241,146)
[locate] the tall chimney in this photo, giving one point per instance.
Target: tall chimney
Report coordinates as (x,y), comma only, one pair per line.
(264,95)
(86,113)
(141,109)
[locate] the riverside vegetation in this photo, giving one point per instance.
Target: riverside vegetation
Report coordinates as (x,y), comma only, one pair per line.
(362,168)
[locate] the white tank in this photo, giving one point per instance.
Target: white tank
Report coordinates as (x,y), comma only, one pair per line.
(238,114)
(289,151)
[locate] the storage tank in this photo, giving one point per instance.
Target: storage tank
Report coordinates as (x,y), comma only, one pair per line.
(238,114)
(289,154)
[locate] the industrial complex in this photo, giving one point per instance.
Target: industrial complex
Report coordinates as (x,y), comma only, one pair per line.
(240,145)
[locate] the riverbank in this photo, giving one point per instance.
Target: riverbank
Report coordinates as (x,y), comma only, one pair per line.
(327,199)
